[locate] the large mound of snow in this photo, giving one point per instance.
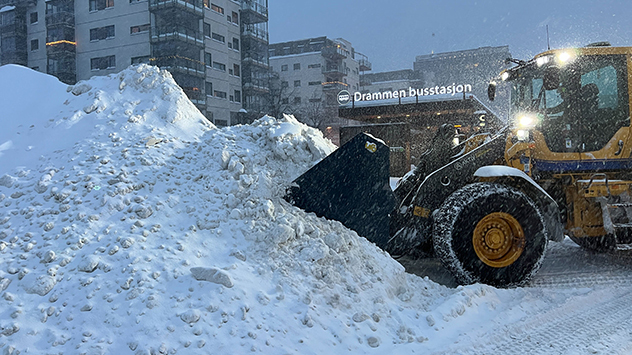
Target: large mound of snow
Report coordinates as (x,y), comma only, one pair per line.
(132,226)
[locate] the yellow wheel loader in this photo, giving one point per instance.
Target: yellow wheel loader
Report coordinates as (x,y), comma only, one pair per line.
(487,208)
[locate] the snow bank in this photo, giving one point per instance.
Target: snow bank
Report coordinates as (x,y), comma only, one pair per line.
(140,228)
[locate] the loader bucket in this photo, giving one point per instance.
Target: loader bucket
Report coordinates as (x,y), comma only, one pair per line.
(351,185)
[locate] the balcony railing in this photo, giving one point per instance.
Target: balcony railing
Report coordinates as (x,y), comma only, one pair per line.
(195,95)
(180,64)
(334,52)
(334,70)
(256,32)
(18,3)
(194,6)
(260,85)
(60,46)
(364,63)
(253,12)
(16,27)
(182,33)
(256,59)
(335,86)
(60,18)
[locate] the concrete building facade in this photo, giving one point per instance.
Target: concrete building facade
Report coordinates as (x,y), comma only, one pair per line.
(312,72)
(207,45)
(389,81)
(476,67)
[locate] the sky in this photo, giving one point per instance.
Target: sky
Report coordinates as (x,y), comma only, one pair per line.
(392,33)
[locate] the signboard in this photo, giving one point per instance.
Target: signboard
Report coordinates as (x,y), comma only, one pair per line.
(344,97)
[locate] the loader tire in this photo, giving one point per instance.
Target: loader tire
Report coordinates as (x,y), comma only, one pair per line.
(490,233)
(597,244)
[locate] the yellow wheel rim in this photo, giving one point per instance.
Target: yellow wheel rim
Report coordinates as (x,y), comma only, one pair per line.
(498,239)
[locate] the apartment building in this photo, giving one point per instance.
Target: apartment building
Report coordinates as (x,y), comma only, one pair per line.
(312,72)
(216,50)
(389,81)
(475,67)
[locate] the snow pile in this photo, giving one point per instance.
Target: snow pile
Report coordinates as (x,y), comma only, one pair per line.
(132,226)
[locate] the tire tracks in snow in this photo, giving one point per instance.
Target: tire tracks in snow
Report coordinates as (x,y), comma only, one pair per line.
(599,322)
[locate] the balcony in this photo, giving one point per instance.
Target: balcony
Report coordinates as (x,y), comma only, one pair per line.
(14,56)
(336,71)
(253,12)
(196,96)
(176,63)
(334,52)
(335,86)
(255,32)
(24,3)
(15,28)
(62,18)
(178,33)
(260,61)
(193,6)
(257,85)
(60,47)
(364,63)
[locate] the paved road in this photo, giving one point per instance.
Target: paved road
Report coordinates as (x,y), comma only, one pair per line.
(597,321)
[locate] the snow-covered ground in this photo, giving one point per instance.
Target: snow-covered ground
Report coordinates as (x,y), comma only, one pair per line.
(128,225)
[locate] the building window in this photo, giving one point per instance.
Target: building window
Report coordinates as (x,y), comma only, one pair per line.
(207,29)
(34,44)
(209,89)
(220,94)
(101,63)
(96,5)
(311,83)
(236,44)
(236,70)
(312,66)
(207,59)
(284,84)
(284,67)
(139,28)
(235,18)
(217,9)
(207,3)
(297,83)
(135,1)
(237,95)
(140,60)
(285,101)
(297,100)
(100,33)
(219,66)
(218,37)
(297,66)
(33,17)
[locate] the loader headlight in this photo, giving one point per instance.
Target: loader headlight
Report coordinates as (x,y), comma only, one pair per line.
(565,57)
(543,60)
(526,121)
(522,135)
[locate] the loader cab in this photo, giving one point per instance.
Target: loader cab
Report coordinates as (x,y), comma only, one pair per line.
(573,104)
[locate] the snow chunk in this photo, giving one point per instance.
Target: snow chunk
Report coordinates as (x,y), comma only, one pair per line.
(40,285)
(7,180)
(191,316)
(214,275)
(89,264)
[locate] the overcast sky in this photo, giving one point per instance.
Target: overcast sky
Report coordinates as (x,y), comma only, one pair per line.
(391,33)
